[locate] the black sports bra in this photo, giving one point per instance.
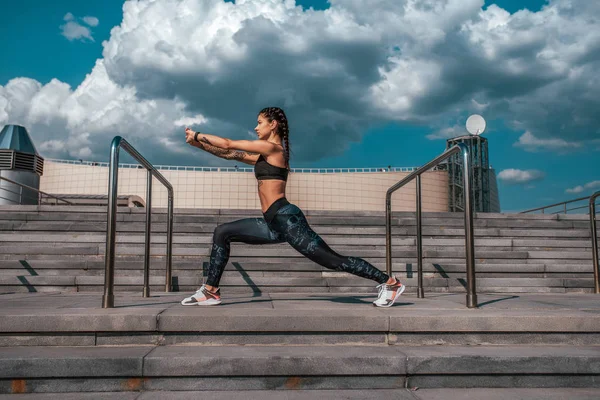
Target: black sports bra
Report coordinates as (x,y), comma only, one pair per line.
(264,170)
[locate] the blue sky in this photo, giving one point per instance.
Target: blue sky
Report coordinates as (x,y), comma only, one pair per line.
(37,50)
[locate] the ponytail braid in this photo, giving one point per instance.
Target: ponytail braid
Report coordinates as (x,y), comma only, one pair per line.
(283,130)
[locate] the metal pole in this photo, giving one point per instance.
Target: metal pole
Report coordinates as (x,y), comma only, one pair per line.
(594,242)
(148,228)
(420,291)
(388,233)
(117,143)
(469,243)
(108,299)
(169,244)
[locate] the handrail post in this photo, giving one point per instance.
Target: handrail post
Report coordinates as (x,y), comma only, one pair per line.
(420,290)
(108,299)
(469,242)
(594,233)
(168,277)
(117,143)
(147,236)
(388,233)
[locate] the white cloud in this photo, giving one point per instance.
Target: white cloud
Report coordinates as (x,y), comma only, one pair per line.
(335,72)
(81,123)
(447,133)
(174,146)
(479,107)
(517,176)
(587,186)
(73,30)
(189,121)
(530,143)
(91,21)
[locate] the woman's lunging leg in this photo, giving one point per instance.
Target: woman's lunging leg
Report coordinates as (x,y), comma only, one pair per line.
(248,230)
(292,224)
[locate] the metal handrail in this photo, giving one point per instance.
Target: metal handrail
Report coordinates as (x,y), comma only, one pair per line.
(237,169)
(564,203)
(594,241)
(34,189)
(469,242)
(570,209)
(108,299)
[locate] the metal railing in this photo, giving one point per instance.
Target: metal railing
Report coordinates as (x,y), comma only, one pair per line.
(594,241)
(108,299)
(237,169)
(564,204)
(40,193)
(469,242)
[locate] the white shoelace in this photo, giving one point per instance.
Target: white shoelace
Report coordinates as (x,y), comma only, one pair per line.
(383,288)
(199,290)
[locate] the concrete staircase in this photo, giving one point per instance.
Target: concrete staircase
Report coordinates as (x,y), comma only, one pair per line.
(289,328)
(291,342)
(49,248)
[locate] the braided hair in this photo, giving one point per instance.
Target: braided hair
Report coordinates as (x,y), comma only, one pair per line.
(283,130)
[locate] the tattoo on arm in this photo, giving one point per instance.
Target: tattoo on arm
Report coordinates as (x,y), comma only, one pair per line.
(219,152)
(205,140)
(236,155)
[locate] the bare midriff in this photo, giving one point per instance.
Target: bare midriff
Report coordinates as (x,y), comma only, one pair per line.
(270,190)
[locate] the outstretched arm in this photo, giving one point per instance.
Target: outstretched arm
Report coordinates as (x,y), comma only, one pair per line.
(212,140)
(253,146)
(226,154)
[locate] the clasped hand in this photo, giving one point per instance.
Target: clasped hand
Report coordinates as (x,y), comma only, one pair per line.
(189,135)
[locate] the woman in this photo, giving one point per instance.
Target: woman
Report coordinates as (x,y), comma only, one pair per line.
(282,222)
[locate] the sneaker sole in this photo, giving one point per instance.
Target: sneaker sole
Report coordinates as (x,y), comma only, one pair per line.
(398,293)
(203,303)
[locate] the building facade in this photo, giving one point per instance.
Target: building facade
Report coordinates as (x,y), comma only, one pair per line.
(236,188)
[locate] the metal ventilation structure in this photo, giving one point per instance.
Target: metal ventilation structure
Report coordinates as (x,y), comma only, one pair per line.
(19,162)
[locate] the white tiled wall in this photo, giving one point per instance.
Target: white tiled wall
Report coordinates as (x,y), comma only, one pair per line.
(238,190)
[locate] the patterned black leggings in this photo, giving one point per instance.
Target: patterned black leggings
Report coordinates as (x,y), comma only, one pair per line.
(288,224)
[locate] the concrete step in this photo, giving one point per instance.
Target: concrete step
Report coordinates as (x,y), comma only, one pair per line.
(356,220)
(249,290)
(288,392)
(276,283)
(158,243)
(284,250)
(96,264)
(323,319)
(519,231)
(270,263)
(241,213)
(283,272)
(16,237)
(348,367)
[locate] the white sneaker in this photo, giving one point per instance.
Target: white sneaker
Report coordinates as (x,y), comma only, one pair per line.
(389,293)
(203,297)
